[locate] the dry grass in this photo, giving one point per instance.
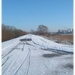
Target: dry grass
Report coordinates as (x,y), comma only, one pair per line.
(67,39)
(63,37)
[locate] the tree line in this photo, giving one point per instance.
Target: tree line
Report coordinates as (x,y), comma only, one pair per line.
(10,32)
(44,30)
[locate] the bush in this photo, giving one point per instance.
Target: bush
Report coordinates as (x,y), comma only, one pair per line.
(10,32)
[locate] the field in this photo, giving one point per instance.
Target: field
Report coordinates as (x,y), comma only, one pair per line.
(65,39)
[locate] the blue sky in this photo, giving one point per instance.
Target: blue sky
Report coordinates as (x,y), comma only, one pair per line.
(28,14)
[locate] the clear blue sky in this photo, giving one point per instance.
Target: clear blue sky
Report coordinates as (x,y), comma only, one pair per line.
(28,14)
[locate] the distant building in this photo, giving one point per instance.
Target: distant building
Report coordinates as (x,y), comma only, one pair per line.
(68,31)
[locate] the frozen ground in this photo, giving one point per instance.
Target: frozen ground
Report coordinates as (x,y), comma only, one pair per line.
(36,57)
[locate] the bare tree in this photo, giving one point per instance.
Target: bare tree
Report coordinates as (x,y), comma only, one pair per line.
(32,31)
(42,29)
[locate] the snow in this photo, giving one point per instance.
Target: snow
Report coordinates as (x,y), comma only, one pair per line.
(36,57)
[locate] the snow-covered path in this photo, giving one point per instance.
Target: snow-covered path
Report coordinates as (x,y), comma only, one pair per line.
(38,57)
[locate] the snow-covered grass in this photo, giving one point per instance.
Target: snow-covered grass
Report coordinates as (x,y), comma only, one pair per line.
(48,44)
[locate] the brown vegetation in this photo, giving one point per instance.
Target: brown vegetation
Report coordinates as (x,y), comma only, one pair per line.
(63,37)
(9,32)
(66,39)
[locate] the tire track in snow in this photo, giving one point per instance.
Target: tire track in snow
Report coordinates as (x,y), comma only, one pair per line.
(10,50)
(10,63)
(6,72)
(29,63)
(8,46)
(21,64)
